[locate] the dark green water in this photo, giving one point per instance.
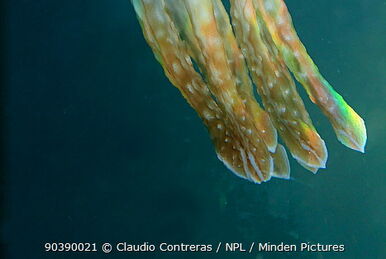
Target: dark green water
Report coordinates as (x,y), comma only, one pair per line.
(102,148)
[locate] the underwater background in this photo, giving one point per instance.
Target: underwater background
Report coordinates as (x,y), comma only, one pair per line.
(100,147)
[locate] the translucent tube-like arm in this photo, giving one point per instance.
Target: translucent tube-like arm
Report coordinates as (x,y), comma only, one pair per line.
(214,65)
(348,125)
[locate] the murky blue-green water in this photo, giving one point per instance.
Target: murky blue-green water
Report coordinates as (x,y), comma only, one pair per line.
(102,148)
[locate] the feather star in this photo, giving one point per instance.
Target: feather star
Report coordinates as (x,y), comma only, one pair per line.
(215,64)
